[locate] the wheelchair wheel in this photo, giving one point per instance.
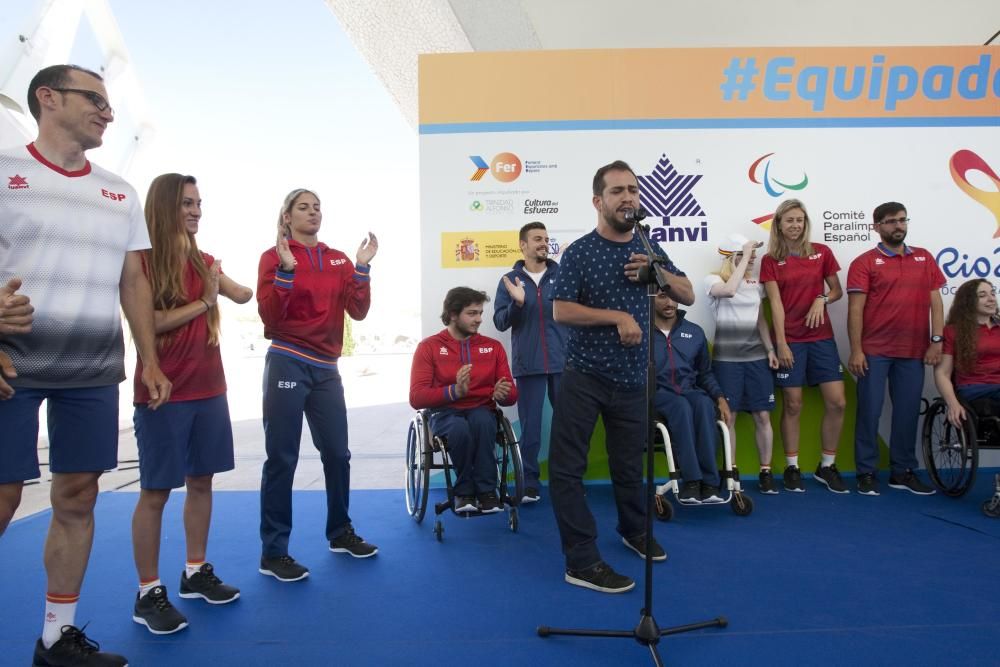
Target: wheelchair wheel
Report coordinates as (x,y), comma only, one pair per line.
(418,473)
(950,454)
(512,520)
(439,530)
(664,510)
(991,507)
(510,467)
(742,504)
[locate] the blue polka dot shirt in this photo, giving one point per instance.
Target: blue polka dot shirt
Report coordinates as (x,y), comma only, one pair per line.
(592,273)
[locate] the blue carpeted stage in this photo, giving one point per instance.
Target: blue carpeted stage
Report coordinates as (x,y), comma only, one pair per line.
(808,578)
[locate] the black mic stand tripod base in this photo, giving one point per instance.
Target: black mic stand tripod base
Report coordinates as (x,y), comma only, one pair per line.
(647,632)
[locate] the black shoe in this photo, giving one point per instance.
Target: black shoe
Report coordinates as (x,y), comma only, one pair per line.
(909,481)
(638,545)
(205,585)
(792,479)
(489,503)
(349,542)
(690,493)
(531,495)
(75,648)
(283,568)
(829,476)
(465,504)
(600,578)
(156,612)
(765,482)
(867,484)
(710,494)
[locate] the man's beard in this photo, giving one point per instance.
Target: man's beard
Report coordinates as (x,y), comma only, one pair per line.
(465,331)
(892,238)
(619,226)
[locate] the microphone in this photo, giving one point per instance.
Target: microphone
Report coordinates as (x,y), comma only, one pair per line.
(636,214)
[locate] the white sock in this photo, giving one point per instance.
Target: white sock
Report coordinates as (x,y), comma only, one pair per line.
(828,459)
(148,586)
(191,569)
(792,460)
(60,610)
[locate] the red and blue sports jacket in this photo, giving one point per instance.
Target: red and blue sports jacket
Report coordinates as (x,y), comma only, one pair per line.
(303,311)
(436,363)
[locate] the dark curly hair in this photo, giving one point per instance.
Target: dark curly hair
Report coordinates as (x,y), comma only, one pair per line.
(962,316)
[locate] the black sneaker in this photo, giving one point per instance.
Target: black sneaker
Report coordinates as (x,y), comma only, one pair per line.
(710,494)
(205,585)
(283,568)
(156,612)
(638,545)
(465,504)
(829,477)
(75,648)
(792,479)
(765,482)
(867,484)
(489,503)
(690,493)
(600,578)
(909,481)
(531,495)
(349,542)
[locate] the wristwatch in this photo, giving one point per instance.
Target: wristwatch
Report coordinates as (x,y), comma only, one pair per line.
(936,339)
(826,299)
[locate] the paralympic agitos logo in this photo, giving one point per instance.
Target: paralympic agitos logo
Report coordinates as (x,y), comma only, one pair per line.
(761,175)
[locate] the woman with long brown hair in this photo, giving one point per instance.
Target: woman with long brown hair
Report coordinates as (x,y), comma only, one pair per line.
(189,438)
(971,348)
(800,277)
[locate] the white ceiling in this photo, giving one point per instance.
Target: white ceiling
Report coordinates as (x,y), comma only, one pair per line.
(391,33)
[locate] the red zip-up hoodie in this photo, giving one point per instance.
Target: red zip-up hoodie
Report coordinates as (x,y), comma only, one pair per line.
(303,311)
(436,362)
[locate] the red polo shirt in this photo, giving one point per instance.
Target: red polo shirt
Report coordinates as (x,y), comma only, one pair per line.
(800,280)
(896,320)
(987,369)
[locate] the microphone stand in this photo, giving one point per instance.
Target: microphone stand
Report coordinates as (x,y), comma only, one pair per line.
(647,632)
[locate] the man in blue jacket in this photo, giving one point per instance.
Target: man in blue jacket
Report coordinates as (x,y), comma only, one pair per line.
(687,394)
(524,305)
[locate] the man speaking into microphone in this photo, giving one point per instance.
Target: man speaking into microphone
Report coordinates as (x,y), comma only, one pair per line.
(601,296)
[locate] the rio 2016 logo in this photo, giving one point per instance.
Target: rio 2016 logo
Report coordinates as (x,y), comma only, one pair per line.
(505,167)
(955,263)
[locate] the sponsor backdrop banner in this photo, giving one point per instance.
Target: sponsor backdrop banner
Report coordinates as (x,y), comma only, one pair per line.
(717,138)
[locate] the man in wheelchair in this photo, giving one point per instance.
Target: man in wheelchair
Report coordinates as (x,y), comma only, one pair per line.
(461,376)
(687,395)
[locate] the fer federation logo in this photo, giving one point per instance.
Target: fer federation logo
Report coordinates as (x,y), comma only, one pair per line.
(505,167)
(772,186)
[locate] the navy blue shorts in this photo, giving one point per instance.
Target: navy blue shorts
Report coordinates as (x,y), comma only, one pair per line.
(747,385)
(83,431)
(183,439)
(816,362)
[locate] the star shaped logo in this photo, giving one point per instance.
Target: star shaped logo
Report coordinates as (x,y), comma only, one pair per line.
(666,193)
(17,182)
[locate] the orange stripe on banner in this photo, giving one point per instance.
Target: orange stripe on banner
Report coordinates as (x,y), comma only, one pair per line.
(637,84)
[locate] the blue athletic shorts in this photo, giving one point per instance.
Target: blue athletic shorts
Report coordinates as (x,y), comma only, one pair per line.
(83,431)
(186,438)
(747,385)
(815,363)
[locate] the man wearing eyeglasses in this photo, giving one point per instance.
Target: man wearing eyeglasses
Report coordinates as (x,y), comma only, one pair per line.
(72,233)
(895,319)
